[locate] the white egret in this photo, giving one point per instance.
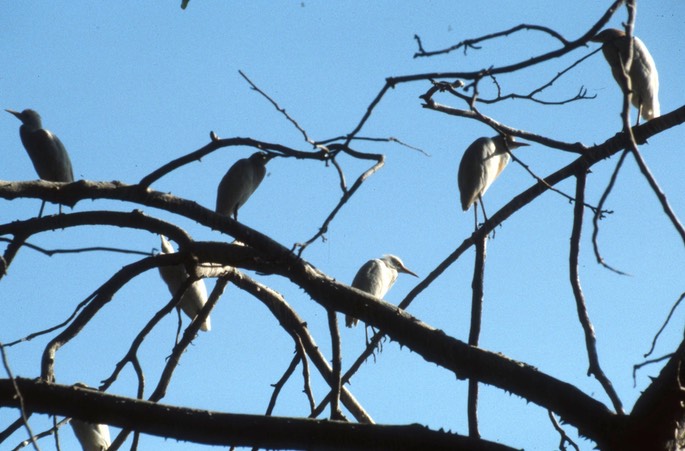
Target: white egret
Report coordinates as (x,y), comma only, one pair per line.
(644,79)
(195,296)
(93,437)
(481,164)
(376,277)
(47,153)
(241,180)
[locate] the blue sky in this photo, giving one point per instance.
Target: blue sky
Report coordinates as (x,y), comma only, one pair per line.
(128,86)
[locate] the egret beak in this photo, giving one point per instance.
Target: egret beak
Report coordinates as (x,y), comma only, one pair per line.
(406,270)
(15,113)
(516,145)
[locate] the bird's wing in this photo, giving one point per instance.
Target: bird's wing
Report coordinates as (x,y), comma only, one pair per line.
(645,80)
(48,155)
(193,300)
(93,437)
(235,188)
(471,176)
(369,278)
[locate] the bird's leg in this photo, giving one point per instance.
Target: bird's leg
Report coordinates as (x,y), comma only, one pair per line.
(475,217)
(482,207)
(639,113)
(180,324)
(40,213)
(485,216)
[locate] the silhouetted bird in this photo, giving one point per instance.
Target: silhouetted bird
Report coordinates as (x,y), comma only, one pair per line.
(241,180)
(47,153)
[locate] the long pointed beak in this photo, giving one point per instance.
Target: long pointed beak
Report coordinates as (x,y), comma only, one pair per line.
(518,144)
(16,114)
(406,270)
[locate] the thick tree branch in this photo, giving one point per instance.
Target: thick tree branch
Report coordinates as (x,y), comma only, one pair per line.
(201,426)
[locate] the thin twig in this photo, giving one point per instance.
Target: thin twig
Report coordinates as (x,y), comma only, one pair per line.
(599,214)
(663,200)
(43,434)
(53,328)
(343,199)
(564,438)
(51,252)
(307,389)
(278,107)
(590,341)
(550,187)
(278,386)
(22,409)
(663,326)
(471,43)
(649,362)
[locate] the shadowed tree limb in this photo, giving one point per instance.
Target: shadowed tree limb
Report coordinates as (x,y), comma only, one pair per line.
(202,426)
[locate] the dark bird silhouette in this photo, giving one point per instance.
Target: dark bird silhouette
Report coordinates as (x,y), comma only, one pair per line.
(47,153)
(241,180)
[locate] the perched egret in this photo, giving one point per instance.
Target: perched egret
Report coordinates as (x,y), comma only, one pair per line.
(481,164)
(241,180)
(644,78)
(376,277)
(195,296)
(47,153)
(93,437)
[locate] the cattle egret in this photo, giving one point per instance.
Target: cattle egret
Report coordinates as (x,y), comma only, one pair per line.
(93,437)
(195,296)
(241,180)
(644,79)
(47,153)
(376,277)
(481,164)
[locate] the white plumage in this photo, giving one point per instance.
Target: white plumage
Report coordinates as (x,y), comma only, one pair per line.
(644,78)
(195,296)
(93,437)
(376,277)
(482,162)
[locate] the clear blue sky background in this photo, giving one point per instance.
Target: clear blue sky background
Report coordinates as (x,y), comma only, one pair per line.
(130,85)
